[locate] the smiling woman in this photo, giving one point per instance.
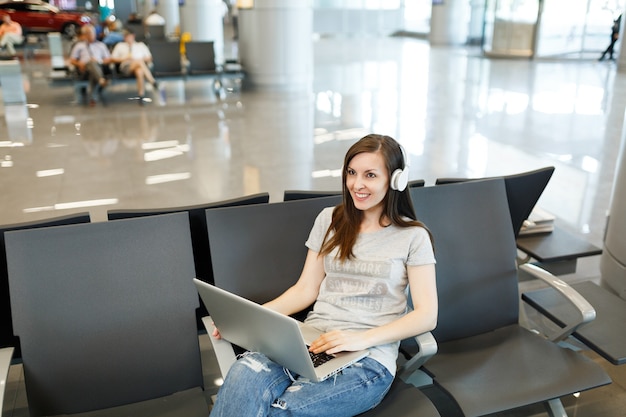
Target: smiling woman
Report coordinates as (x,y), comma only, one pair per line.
(362,255)
(367,180)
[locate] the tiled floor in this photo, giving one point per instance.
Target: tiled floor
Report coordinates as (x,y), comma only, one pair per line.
(457,113)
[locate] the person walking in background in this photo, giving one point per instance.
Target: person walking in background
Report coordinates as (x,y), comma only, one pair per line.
(10,34)
(133,59)
(614,37)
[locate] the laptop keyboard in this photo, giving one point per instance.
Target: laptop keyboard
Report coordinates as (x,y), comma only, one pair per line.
(320,358)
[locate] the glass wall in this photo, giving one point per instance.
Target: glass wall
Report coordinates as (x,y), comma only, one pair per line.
(599,20)
(549,28)
(417,16)
(358,17)
(510,27)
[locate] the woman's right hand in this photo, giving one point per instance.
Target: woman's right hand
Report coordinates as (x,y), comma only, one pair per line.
(216,333)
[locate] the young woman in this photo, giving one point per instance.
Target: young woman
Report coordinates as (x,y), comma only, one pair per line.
(362,256)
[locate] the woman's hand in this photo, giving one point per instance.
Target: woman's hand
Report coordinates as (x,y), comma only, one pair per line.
(339,341)
(216,333)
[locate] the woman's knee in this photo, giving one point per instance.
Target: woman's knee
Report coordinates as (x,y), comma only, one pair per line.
(251,365)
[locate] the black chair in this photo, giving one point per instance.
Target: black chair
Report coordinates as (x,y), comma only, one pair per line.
(198,228)
(522,190)
(154,33)
(259,251)
(139,30)
(416,183)
(604,335)
(105,314)
(486,361)
(201,57)
(7,338)
(291,195)
(166,59)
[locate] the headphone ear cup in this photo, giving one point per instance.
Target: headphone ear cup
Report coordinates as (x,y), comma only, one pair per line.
(399,179)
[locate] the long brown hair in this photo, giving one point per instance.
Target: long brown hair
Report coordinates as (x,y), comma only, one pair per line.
(397,205)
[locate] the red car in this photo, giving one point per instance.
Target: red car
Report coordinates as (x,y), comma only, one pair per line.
(38,16)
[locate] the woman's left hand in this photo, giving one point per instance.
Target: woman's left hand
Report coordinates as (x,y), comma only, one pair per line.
(339,341)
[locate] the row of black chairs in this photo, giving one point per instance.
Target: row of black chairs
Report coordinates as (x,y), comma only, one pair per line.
(198,59)
(523,191)
(63,279)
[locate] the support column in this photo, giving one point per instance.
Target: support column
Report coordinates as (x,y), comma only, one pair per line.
(621,58)
(613,258)
(449,22)
(169,10)
(276,44)
(203,20)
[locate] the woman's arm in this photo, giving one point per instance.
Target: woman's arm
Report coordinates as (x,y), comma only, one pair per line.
(304,292)
(421,319)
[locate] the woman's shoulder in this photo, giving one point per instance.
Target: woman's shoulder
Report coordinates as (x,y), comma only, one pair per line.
(326,215)
(412,229)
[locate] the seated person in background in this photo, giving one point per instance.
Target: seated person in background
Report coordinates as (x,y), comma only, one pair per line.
(10,34)
(133,59)
(112,31)
(134,18)
(90,57)
(154,19)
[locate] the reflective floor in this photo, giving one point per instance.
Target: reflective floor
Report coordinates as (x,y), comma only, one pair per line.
(457,113)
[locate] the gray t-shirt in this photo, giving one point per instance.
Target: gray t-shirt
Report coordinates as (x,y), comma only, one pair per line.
(370,289)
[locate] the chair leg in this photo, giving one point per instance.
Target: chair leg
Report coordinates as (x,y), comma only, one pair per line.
(555,408)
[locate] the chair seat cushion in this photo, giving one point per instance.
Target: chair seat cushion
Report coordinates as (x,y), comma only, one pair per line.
(481,372)
(403,400)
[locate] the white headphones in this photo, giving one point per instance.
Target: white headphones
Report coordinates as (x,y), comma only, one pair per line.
(400,177)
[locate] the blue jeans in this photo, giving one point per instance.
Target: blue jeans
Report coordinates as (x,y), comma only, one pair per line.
(257,387)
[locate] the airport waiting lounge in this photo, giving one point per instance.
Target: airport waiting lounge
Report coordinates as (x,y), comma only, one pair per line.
(513,141)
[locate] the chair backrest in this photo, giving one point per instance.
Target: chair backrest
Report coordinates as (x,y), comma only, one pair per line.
(166,58)
(475,252)
(201,57)
(258,251)
(291,195)
(139,30)
(7,338)
(523,191)
(199,235)
(105,312)
(197,225)
(155,33)
(416,183)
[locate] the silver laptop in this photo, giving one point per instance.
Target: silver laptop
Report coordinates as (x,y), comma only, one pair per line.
(281,338)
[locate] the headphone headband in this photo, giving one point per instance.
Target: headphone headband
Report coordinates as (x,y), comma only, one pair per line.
(400,177)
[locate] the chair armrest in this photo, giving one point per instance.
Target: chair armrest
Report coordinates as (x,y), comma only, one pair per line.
(223,349)
(586,310)
(5,362)
(427,349)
